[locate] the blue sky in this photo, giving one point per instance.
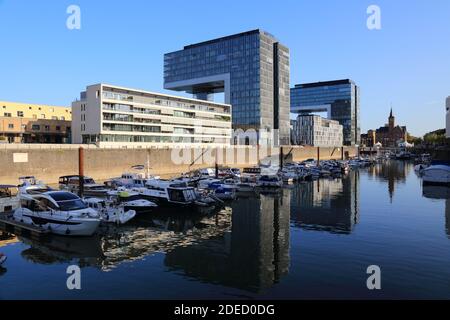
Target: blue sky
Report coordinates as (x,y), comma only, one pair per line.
(406,63)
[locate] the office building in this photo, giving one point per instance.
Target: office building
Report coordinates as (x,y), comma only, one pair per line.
(313,130)
(250,68)
(447,119)
(34,123)
(339,99)
(111,115)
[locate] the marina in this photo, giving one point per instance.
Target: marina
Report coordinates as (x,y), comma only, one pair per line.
(310,237)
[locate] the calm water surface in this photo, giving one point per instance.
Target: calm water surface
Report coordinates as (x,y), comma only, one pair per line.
(310,240)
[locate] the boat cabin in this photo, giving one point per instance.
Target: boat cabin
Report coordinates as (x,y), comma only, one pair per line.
(9,200)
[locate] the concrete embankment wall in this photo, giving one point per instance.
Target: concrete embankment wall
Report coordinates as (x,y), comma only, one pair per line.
(49,162)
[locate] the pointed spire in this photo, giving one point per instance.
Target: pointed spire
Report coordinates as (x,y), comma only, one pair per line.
(391,115)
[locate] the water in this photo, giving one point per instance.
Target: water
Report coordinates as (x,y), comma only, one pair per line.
(311,240)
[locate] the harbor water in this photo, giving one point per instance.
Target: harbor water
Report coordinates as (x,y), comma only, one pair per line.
(306,241)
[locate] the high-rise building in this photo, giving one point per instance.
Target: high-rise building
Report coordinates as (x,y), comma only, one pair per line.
(34,123)
(251,68)
(339,99)
(316,131)
(447,105)
(113,116)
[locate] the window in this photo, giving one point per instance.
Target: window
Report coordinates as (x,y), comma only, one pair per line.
(20,114)
(7,114)
(58,128)
(47,128)
(42,116)
(34,116)
(63,118)
(11,126)
(35,127)
(54,118)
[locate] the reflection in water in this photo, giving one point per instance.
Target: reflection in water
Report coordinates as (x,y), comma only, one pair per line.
(440,192)
(116,245)
(253,256)
(327,205)
(393,172)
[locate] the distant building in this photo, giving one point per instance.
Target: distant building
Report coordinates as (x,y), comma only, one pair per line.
(34,123)
(109,115)
(369,140)
(339,99)
(390,136)
(447,117)
(316,131)
(250,68)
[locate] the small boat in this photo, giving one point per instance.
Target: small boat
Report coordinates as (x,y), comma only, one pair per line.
(272,181)
(2,258)
(9,199)
(59,212)
(90,188)
(437,175)
(109,211)
(132,200)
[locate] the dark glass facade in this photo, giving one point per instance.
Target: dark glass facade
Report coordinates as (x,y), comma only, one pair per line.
(251,68)
(339,98)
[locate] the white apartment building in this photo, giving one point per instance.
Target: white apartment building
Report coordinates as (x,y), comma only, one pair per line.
(316,131)
(109,115)
(447,118)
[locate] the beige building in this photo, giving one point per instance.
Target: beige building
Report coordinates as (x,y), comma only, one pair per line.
(34,123)
(109,115)
(313,130)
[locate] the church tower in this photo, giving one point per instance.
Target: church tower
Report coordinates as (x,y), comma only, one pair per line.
(391,121)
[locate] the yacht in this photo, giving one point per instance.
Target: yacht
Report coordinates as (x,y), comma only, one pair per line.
(110,211)
(60,212)
(90,188)
(9,199)
(436,174)
(31,186)
(168,193)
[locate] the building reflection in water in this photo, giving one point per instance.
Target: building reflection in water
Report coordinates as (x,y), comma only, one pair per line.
(391,171)
(253,256)
(440,193)
(327,205)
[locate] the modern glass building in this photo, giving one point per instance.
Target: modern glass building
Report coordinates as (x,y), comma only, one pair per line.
(340,99)
(251,68)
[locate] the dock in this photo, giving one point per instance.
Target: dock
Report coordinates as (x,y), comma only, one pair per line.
(17,228)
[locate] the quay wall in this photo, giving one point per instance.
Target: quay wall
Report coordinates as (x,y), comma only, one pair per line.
(49,162)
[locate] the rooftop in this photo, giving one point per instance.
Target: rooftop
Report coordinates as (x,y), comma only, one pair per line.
(324,83)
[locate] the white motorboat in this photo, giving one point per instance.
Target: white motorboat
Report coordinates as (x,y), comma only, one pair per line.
(109,211)
(132,200)
(9,199)
(60,212)
(31,186)
(420,168)
(90,188)
(266,181)
(168,193)
(437,174)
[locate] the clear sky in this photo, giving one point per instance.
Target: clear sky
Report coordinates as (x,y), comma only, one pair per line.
(406,63)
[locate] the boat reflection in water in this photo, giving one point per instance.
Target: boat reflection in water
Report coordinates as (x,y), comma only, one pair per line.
(6,239)
(327,205)
(440,193)
(243,246)
(120,244)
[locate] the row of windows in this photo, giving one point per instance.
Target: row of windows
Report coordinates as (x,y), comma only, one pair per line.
(21,115)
